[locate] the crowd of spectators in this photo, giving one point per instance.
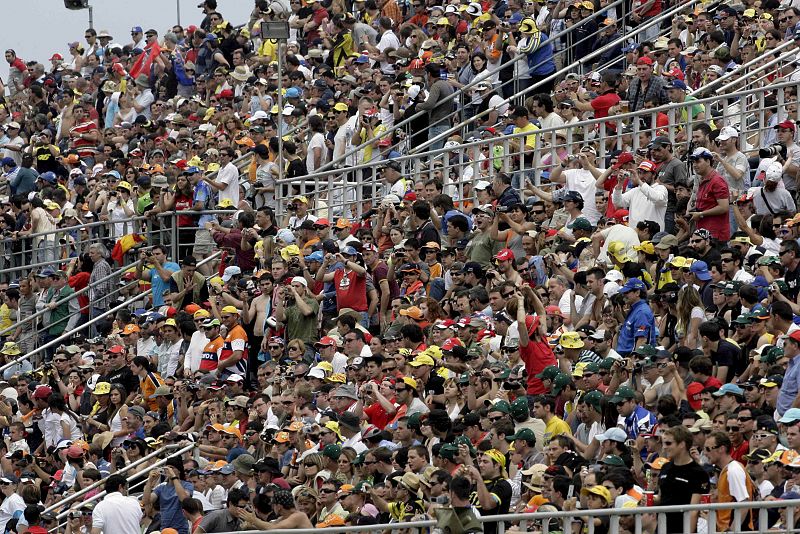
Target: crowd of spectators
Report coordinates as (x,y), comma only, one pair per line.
(614,327)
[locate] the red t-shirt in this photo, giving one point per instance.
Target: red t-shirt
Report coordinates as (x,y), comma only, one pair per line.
(376,415)
(351,290)
(601,105)
(537,355)
(711,189)
(78,282)
(210,358)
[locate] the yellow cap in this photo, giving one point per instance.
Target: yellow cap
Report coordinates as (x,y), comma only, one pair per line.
(341,106)
(230,309)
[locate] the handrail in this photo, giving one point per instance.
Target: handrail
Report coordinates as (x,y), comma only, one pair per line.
(67,299)
(577,63)
(585,123)
(783,56)
(331,165)
(613,513)
(100,483)
(91,322)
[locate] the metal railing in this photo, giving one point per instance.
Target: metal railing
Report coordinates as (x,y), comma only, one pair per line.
(344,194)
(55,342)
(544,521)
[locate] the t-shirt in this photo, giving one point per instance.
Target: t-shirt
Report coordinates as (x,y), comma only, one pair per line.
(713,188)
(583,182)
(556,427)
(160,285)
(501,491)
(235,340)
(536,355)
(677,484)
(351,290)
(299,326)
(170,506)
(672,173)
(210,358)
(727,355)
(530,140)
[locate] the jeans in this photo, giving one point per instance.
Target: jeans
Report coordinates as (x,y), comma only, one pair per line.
(435,131)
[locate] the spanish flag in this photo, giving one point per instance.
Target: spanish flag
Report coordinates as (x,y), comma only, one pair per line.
(124,244)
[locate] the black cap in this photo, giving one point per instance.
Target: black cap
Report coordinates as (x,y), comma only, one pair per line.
(473,267)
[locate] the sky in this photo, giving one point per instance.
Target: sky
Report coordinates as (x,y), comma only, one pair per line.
(43,27)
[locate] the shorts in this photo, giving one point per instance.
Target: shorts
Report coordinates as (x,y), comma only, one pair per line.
(203,243)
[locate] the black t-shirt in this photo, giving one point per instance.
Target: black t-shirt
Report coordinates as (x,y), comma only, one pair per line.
(125,377)
(427,233)
(727,355)
(677,484)
(500,488)
(791,278)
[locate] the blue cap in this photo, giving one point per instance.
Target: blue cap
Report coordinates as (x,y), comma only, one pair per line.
(320,83)
(700,270)
(49,177)
(211,37)
(792,415)
(79,180)
(99,70)
(362,59)
(225,469)
(790,496)
(634,284)
(8,162)
(630,48)
(154,316)
(292,92)
(515,18)
(115,174)
(676,84)
(192,170)
(138,312)
(729,388)
(47,272)
(136,29)
(316,256)
(349,251)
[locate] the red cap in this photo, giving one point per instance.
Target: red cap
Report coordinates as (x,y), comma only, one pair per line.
(42,392)
(370,247)
(191,308)
(644,61)
(129,276)
(326,341)
(171,311)
(490,130)
(484,332)
(322,222)
(622,159)
(504,255)
(449,343)
(226,94)
(693,394)
(531,323)
(57,56)
(619,215)
(411,195)
(786,124)
(191,29)
(795,335)
(647,166)
(447,323)
(551,232)
(386,141)
(117,68)
(676,73)
(554,310)
(116,349)
(417,64)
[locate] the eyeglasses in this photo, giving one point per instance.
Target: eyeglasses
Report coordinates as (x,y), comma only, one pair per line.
(693,241)
(275,347)
(744,418)
(762,436)
(400,390)
(294,348)
(727,260)
(59,360)
(709,449)
(327,490)
(349,339)
(732,428)
(495,419)
(782,252)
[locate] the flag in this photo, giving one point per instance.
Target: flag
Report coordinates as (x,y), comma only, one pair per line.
(145,60)
(124,244)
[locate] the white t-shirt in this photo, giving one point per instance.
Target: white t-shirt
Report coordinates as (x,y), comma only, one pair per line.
(583,182)
(229,175)
(619,232)
(118,514)
(737,482)
(564,304)
(317,141)
(145,99)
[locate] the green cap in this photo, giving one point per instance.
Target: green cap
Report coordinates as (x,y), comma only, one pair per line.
(743,318)
(623,393)
(732,288)
(474,352)
(769,260)
(358,460)
(523,433)
(519,408)
(646,350)
(363,486)
(505,373)
(593,398)
(581,223)
(613,460)
(414,421)
(771,355)
(500,406)
(464,440)
(448,451)
(591,367)
(464,378)
(549,373)
(332,451)
(607,363)
(560,382)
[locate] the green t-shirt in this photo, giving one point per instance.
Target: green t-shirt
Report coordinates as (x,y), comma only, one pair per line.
(482,249)
(299,326)
(142,203)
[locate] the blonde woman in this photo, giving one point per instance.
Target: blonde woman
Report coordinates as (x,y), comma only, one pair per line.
(690,314)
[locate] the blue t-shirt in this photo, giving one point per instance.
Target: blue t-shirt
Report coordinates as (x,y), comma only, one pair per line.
(160,285)
(639,323)
(234,452)
(170,505)
(203,193)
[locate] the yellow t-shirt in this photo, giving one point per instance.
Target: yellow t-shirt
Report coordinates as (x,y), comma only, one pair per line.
(530,140)
(5,317)
(556,427)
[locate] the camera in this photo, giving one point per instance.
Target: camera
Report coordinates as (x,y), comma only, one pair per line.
(442,499)
(772,151)
(504,209)
(572,158)
(511,386)
(773,288)
(291,207)
(642,151)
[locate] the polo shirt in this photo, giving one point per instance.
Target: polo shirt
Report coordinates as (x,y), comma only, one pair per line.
(118,514)
(639,323)
(712,188)
(220,521)
(789,388)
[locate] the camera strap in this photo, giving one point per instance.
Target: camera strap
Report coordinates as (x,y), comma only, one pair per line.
(771,211)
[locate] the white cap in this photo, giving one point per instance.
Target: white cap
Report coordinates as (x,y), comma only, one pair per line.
(287,110)
(474,9)
(774,172)
(316,372)
(230,272)
(9,393)
(259,115)
(728,132)
(482,185)
(413,91)
(451,9)
(300,280)
(614,276)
